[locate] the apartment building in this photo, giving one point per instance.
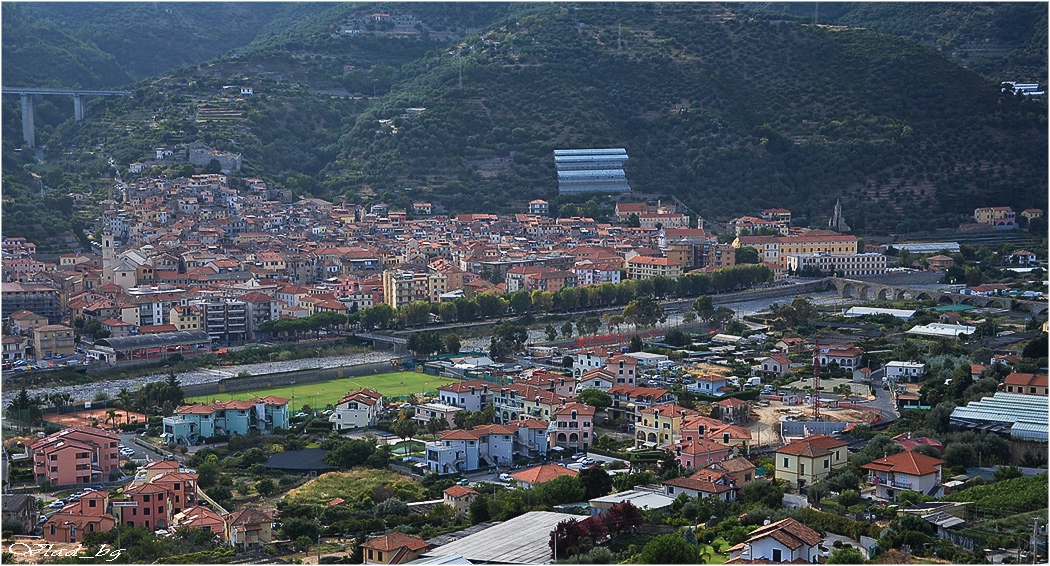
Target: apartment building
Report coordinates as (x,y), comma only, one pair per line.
(573,427)
(77,455)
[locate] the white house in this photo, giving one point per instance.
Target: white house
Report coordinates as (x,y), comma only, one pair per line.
(847,357)
(697,489)
(905,470)
(899,371)
(647,360)
(468,450)
(587,361)
(711,385)
(471,395)
(359,409)
(777,364)
(600,378)
(784,541)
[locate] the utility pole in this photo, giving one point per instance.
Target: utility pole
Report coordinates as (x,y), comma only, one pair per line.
(1034,546)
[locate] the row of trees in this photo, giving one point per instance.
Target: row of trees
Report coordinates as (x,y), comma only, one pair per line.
(569,299)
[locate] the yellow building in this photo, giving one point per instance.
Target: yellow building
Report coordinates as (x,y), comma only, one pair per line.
(809,460)
(647,267)
(777,249)
(185,318)
(660,425)
(53,340)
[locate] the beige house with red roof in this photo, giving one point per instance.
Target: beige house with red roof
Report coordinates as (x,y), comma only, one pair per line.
(847,357)
(459,497)
(629,401)
(395,548)
(1025,383)
(805,461)
(775,365)
(249,528)
(23,322)
(732,410)
(906,470)
(199,517)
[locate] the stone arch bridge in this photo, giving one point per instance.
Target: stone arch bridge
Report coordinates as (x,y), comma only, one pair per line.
(869,291)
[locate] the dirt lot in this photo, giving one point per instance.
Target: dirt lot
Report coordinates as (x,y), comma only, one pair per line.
(87,418)
(765,431)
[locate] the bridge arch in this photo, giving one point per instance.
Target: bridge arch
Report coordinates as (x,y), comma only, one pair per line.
(996,303)
(847,290)
(945,299)
(885,294)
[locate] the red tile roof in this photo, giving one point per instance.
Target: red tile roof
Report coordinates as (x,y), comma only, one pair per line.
(907,462)
(816,445)
(542,474)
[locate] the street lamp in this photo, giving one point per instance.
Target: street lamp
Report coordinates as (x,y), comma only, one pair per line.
(293,393)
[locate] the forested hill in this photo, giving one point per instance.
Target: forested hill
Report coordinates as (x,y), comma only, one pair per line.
(112,44)
(729,111)
(1005,41)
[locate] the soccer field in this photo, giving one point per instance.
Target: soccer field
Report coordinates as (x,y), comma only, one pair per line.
(321,393)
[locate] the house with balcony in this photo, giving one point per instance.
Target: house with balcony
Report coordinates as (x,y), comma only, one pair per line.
(459,497)
(624,369)
(730,435)
(629,400)
(153,509)
(469,450)
(810,459)
(53,340)
(425,412)
(573,427)
(587,361)
(906,470)
(85,516)
(249,528)
(471,395)
(660,425)
(847,357)
(533,437)
(358,409)
(190,423)
(14,348)
(78,455)
(181,487)
(698,453)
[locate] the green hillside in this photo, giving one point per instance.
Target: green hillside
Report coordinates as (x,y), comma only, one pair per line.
(729,111)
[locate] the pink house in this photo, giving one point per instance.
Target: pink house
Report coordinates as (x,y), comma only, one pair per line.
(574,422)
(75,456)
(699,453)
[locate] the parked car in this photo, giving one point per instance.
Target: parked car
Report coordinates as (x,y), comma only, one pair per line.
(57,504)
(504,477)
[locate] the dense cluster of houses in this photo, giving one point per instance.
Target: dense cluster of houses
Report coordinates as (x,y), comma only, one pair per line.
(162,497)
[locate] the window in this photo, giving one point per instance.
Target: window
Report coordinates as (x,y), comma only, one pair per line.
(785,462)
(826,464)
(92,503)
(145,511)
(72,531)
(801,468)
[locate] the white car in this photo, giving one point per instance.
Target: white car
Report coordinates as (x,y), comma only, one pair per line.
(504,477)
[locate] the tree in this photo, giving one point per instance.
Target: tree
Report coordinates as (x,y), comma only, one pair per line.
(406,429)
(265,487)
(848,554)
(723,315)
(643,312)
(478,511)
(595,398)
(448,311)
(566,329)
(552,333)
(452,343)
(636,343)
(704,307)
(213,167)
(669,549)
(688,317)
(392,506)
(596,482)
(747,255)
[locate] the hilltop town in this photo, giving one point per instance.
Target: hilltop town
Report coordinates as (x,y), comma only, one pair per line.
(519,389)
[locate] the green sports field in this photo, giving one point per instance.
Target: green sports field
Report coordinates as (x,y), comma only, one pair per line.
(321,393)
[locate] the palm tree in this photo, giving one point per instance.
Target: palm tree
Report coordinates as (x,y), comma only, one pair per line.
(124,401)
(111,416)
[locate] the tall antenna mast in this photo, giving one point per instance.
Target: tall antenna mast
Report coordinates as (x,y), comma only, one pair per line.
(816,381)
